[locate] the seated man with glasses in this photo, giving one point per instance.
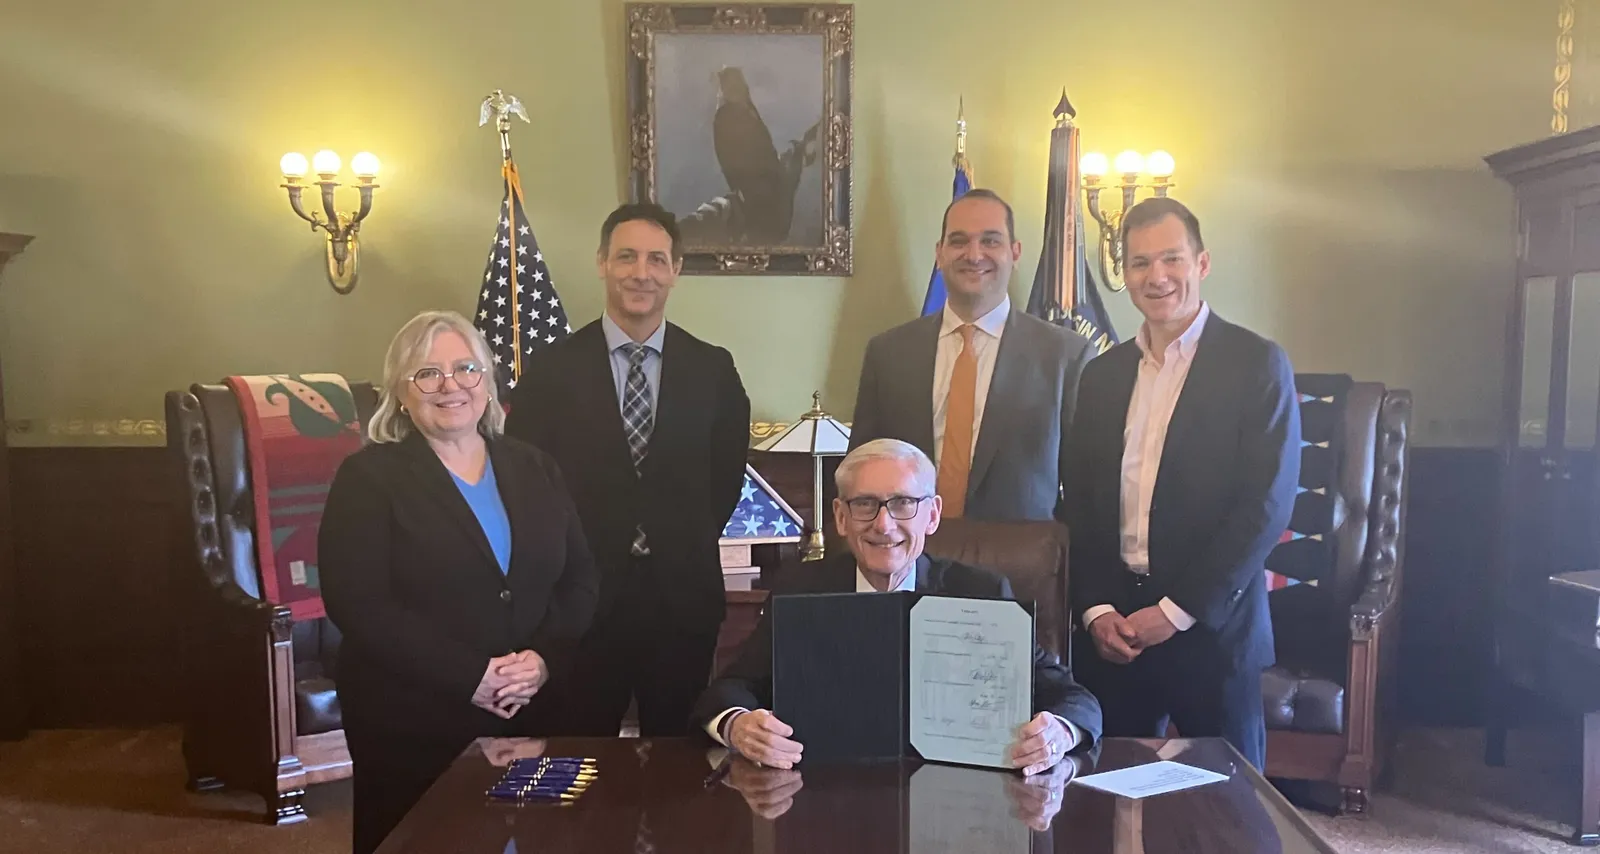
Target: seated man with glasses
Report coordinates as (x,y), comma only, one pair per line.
(886,508)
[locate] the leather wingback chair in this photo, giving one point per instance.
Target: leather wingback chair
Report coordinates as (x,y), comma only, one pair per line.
(1330,699)
(1031,555)
(263,712)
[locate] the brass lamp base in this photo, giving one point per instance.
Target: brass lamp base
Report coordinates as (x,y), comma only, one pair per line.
(813,549)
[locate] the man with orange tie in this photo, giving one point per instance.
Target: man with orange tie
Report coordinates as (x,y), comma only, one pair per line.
(985,391)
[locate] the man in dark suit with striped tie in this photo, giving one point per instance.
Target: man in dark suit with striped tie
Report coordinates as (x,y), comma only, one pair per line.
(650,426)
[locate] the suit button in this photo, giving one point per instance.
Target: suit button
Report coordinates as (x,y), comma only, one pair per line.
(505,596)
(1238,593)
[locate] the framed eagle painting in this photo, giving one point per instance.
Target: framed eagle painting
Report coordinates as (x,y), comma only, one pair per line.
(739,122)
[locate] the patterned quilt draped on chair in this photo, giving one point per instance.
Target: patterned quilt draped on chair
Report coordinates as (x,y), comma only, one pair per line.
(298,429)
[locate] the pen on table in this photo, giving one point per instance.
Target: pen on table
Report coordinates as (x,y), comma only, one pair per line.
(565,797)
(720,771)
(545,780)
(554,766)
(538,787)
(548,776)
(532,791)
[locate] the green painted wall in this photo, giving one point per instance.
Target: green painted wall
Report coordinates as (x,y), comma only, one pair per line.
(1331,151)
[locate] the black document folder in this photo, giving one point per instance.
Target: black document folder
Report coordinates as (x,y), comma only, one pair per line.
(858,678)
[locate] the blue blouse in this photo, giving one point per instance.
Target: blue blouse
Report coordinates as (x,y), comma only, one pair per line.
(484,499)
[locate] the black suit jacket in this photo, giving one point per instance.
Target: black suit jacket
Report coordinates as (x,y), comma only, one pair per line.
(748,681)
(409,577)
(1224,491)
(1017,464)
(566,404)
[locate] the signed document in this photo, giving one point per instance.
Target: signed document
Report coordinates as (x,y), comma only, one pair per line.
(971,678)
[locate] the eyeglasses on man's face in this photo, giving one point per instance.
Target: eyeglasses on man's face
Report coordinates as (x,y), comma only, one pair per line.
(431,380)
(902,507)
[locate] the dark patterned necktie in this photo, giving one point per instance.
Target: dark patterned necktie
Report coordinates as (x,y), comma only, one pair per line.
(638,420)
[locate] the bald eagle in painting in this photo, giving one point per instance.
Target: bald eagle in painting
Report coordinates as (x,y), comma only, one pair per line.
(749,161)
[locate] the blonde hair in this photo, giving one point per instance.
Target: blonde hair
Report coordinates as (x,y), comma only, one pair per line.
(885,449)
(407,352)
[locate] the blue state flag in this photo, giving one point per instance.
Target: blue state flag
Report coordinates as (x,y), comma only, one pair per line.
(934,301)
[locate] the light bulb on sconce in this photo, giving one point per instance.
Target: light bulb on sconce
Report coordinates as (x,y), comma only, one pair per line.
(1094,166)
(293,165)
(1129,162)
(1160,164)
(343,228)
(326,162)
(365,165)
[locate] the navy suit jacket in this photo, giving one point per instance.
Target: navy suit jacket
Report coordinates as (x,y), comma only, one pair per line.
(1224,491)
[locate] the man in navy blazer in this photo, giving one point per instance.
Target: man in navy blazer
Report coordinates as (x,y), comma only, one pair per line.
(1183,464)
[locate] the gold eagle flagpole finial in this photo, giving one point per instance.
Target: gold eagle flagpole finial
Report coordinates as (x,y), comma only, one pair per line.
(502,107)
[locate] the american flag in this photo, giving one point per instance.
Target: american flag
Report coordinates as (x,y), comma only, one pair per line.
(761,513)
(518,309)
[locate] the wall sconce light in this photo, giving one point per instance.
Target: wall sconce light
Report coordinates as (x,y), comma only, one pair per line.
(344,260)
(1158,166)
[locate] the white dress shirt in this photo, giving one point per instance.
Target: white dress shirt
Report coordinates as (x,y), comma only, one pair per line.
(985,346)
(1144,436)
(909,583)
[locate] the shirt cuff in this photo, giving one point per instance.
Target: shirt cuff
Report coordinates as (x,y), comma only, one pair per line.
(1179,617)
(714,726)
(1072,730)
(1095,613)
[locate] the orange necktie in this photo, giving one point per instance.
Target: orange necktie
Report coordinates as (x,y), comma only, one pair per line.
(955,454)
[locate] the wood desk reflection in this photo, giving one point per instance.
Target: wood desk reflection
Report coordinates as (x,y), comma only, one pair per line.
(652,796)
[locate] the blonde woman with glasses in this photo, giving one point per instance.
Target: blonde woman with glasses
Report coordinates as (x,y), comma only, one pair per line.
(453,562)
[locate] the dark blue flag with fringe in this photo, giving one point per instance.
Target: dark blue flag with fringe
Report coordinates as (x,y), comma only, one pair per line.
(1064,290)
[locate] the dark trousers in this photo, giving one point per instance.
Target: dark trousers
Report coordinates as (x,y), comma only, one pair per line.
(1188,680)
(637,651)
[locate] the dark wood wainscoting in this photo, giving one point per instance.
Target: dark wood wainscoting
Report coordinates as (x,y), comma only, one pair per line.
(99,584)
(103,568)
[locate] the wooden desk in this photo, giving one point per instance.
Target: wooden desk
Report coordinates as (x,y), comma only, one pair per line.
(651,795)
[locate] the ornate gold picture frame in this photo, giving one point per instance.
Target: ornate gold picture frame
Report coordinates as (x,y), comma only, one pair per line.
(740,125)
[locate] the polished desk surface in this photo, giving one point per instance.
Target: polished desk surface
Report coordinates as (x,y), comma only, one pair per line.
(652,796)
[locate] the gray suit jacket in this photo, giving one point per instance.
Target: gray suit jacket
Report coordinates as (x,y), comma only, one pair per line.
(1018,463)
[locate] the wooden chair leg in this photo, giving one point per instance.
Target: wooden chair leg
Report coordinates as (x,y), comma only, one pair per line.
(287,807)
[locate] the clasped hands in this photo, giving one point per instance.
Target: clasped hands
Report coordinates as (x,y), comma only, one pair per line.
(1120,639)
(763,739)
(509,683)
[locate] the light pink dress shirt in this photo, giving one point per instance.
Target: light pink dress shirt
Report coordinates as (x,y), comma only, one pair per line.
(1155,395)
